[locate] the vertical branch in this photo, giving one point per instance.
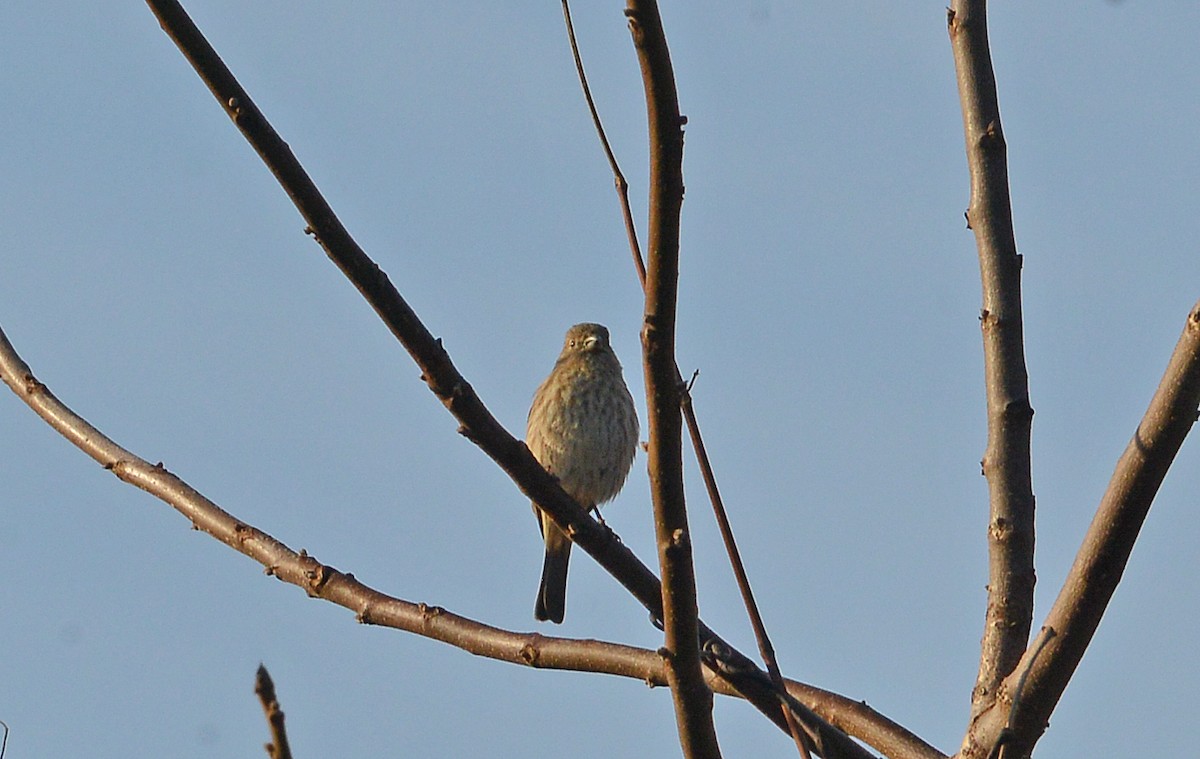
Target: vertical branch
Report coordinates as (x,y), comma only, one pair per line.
(689,415)
(693,699)
(1006,462)
(1036,686)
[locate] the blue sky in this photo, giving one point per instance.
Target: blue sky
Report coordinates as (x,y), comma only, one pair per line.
(159,282)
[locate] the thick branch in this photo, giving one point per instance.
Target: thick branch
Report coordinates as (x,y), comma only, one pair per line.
(1101,560)
(689,415)
(376,608)
(693,700)
(438,372)
(1006,462)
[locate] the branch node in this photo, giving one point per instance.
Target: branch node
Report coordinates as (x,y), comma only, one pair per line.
(318,575)
(530,652)
(679,539)
(992,136)
(32,385)
(429,613)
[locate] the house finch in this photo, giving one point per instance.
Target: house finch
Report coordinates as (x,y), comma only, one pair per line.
(583,429)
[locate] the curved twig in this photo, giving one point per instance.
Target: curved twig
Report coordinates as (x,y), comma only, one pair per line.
(1006,462)
(1045,669)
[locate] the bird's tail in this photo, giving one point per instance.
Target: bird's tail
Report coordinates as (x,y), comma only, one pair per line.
(552,595)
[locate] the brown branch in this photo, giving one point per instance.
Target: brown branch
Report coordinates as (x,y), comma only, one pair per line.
(278,748)
(376,608)
(1045,670)
(618,177)
(764,644)
(692,698)
(438,371)
(1006,462)
(765,649)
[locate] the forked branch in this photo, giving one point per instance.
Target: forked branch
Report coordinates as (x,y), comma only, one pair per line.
(1028,695)
(376,608)
(438,371)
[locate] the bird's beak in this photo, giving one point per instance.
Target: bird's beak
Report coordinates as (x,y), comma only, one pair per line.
(590,342)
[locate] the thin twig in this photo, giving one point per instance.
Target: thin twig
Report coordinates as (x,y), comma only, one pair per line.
(764,644)
(766,650)
(278,748)
(373,607)
(1043,673)
(618,177)
(1006,462)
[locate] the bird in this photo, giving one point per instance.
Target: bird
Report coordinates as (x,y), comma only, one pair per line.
(583,428)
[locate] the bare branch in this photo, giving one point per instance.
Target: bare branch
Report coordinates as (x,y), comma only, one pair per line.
(693,700)
(1006,462)
(764,644)
(1101,559)
(765,649)
(278,748)
(618,178)
(376,608)
(438,371)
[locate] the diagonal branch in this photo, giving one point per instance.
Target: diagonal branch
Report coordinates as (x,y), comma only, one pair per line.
(1006,462)
(618,177)
(438,371)
(1039,681)
(374,607)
